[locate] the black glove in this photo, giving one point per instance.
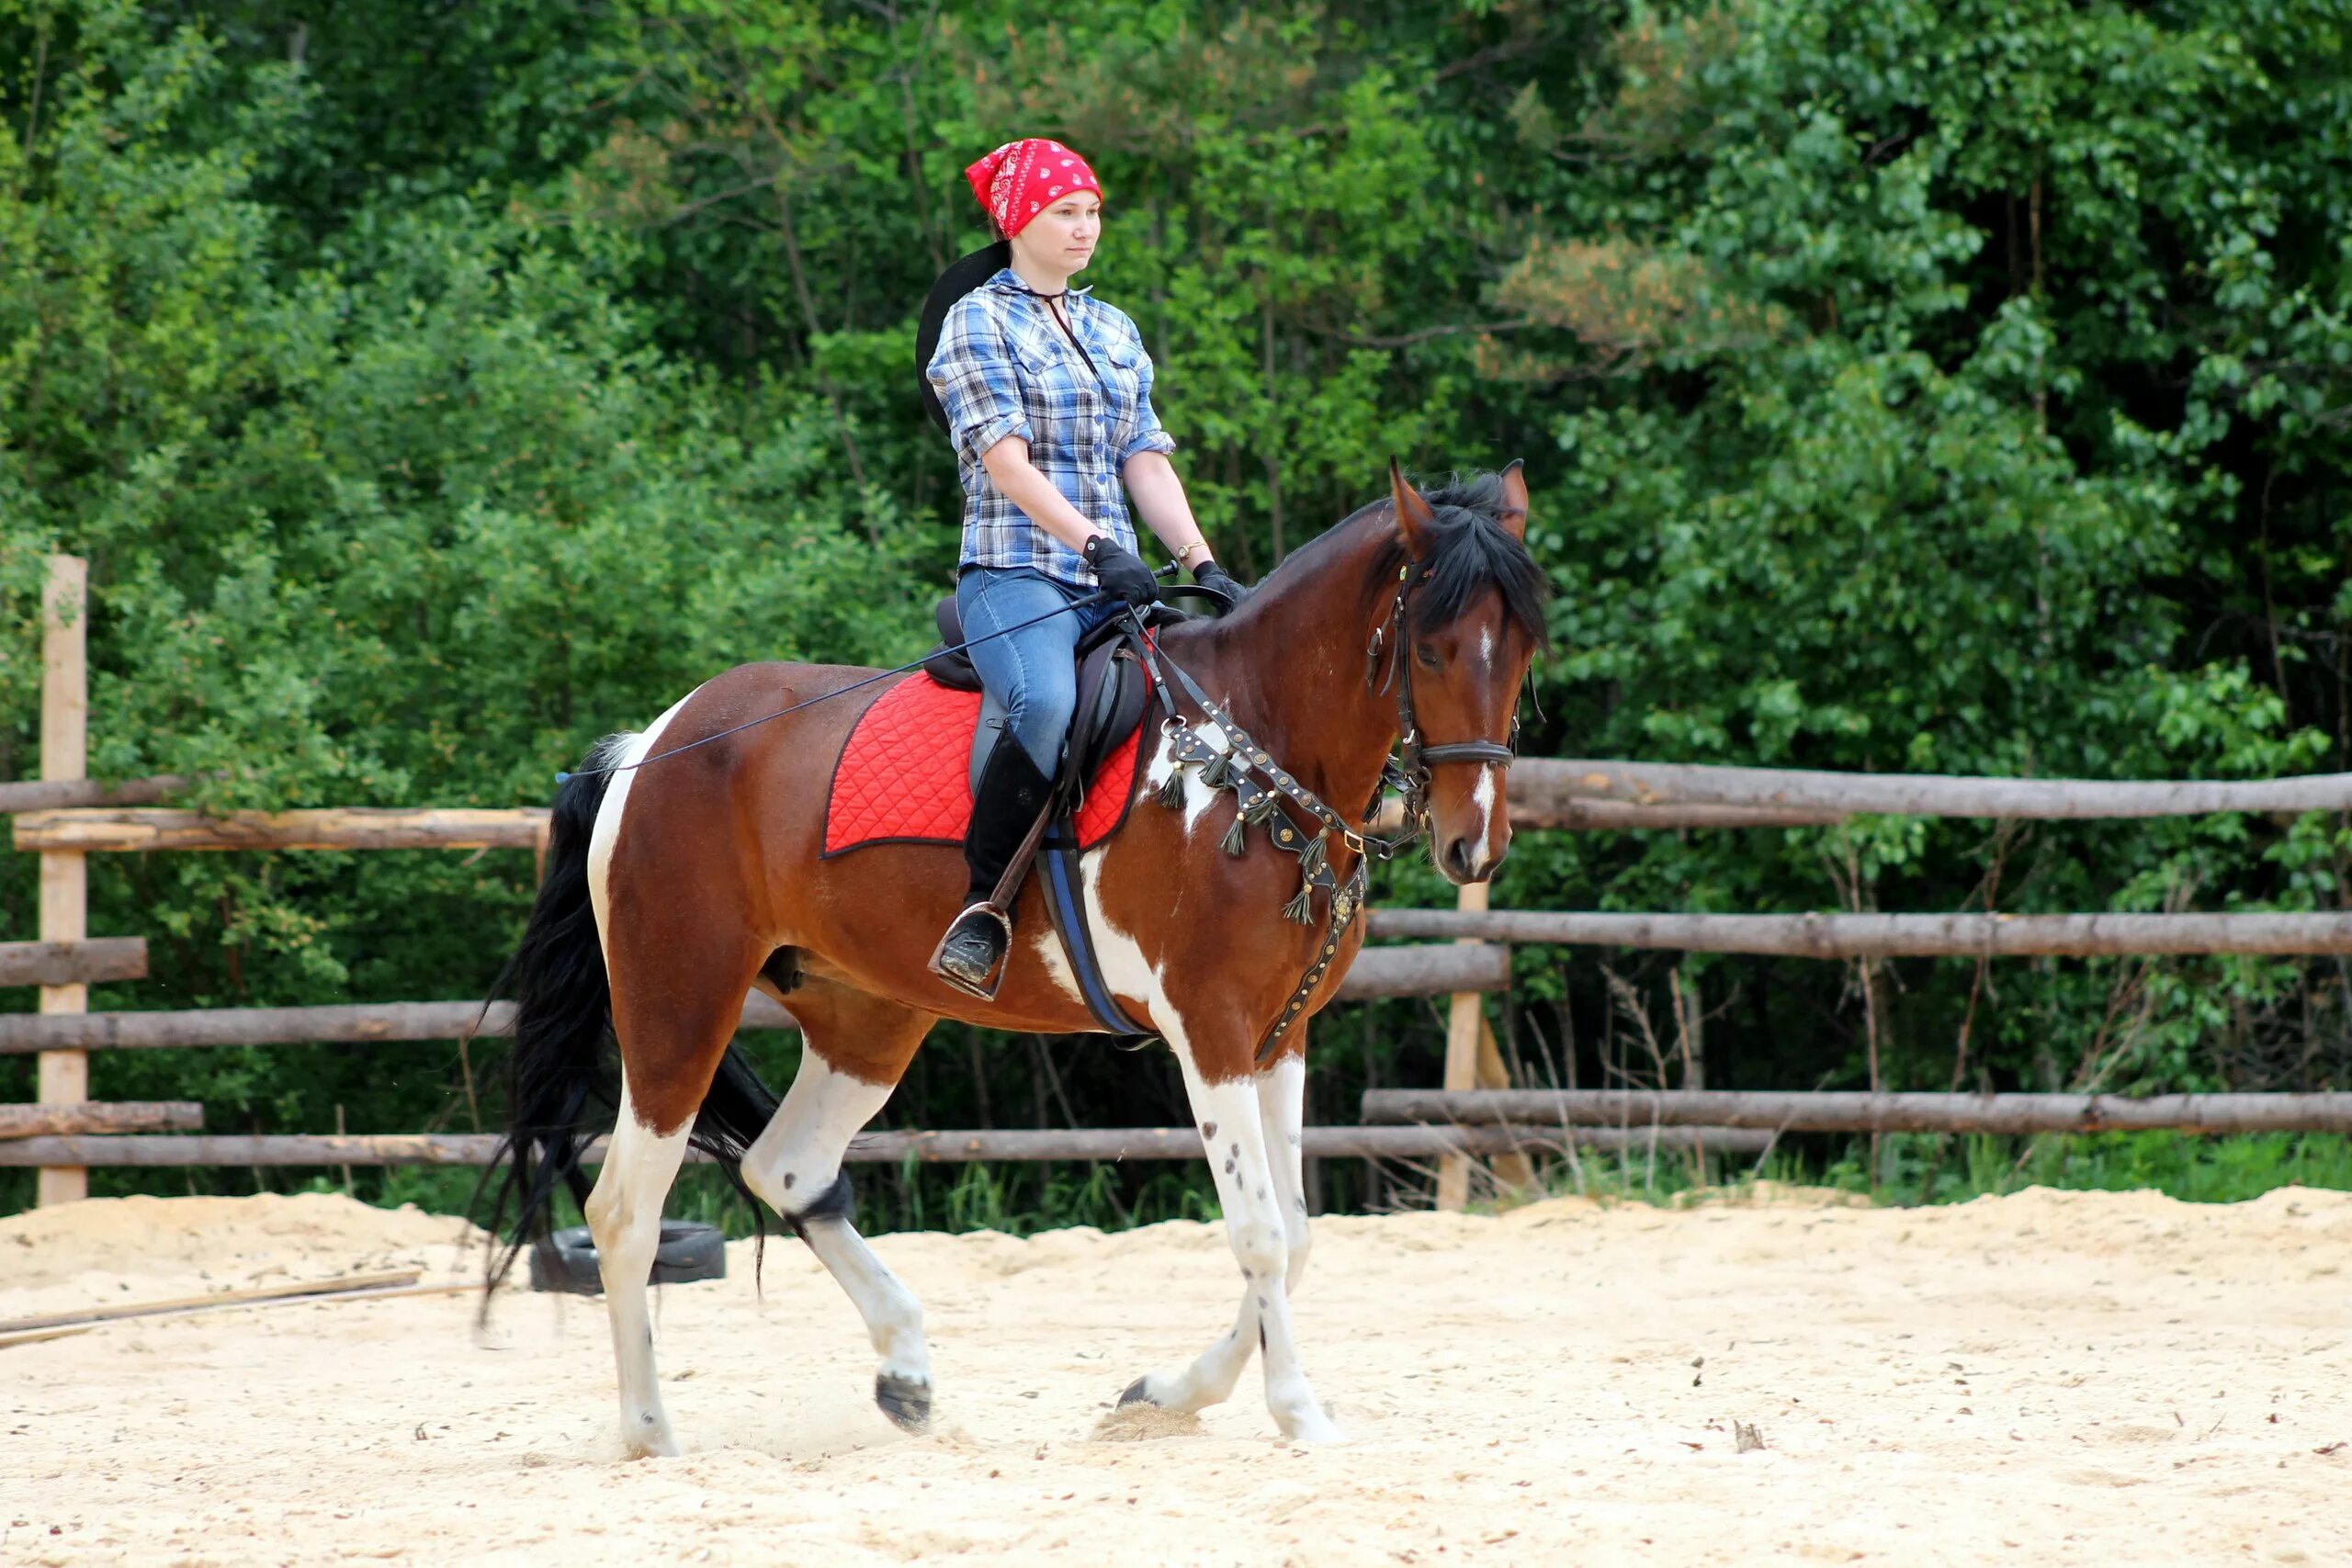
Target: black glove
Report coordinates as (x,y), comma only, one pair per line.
(1120,571)
(1219,582)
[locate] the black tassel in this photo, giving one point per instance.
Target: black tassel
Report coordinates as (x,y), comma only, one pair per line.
(1261,807)
(1172,789)
(1301,911)
(1232,842)
(1317,851)
(1218,771)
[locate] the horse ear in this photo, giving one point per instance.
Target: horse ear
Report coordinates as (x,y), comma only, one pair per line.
(1415,520)
(1513,513)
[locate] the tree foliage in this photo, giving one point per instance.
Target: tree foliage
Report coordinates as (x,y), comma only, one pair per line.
(1904,387)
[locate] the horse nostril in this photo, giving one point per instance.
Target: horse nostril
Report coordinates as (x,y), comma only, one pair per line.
(1457,858)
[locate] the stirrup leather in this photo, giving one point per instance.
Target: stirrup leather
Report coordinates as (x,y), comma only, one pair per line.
(953,969)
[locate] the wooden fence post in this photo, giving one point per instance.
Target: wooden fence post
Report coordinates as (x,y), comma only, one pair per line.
(1461,1025)
(65,887)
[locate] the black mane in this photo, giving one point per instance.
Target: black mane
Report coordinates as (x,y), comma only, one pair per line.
(1470,553)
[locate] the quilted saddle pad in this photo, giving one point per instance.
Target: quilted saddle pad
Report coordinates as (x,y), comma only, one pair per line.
(903,774)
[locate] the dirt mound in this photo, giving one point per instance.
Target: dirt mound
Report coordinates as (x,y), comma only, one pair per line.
(105,1249)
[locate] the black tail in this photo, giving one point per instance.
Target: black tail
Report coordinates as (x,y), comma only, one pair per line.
(563,1076)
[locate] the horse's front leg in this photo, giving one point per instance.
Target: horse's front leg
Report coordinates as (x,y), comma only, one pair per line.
(795,1166)
(1256,1165)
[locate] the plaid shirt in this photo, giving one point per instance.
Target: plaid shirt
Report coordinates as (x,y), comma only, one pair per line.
(1004,368)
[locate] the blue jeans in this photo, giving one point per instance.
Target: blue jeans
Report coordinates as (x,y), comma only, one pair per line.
(1032,673)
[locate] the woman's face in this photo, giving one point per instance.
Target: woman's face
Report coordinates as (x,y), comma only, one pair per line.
(1061,238)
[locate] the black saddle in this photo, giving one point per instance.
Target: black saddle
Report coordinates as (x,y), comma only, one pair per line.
(1111,692)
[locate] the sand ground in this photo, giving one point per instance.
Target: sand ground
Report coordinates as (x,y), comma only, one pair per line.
(2050,1377)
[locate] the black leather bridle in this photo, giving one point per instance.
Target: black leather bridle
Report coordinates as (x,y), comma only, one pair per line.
(1409,772)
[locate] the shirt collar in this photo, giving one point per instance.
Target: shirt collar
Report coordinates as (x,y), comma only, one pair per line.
(1009,282)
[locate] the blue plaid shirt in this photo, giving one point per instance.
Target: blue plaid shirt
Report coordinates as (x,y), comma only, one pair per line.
(1004,368)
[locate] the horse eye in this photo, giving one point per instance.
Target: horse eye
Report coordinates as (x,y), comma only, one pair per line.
(1426,657)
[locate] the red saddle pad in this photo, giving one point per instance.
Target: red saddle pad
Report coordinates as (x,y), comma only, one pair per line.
(903,774)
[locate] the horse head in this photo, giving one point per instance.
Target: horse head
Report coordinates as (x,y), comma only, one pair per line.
(1463,604)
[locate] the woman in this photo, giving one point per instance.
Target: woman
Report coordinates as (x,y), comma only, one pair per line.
(1047,395)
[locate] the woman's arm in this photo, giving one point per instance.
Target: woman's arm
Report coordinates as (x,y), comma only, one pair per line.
(1017,479)
(1159,499)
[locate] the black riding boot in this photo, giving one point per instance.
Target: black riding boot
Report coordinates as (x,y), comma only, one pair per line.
(1011,797)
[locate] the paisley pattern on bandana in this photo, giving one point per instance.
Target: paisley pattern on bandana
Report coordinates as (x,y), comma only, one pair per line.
(1016,181)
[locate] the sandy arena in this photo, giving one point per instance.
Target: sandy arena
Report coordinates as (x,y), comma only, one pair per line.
(2054,1377)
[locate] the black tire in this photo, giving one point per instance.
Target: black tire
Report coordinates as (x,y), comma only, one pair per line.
(566,1260)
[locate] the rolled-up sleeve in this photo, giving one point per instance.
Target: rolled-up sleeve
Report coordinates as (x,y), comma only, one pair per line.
(1141,426)
(1144,433)
(972,372)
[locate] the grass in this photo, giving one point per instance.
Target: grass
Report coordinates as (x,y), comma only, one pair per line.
(1916,1168)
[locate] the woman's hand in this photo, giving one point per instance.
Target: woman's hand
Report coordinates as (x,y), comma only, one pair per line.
(1219,582)
(1121,572)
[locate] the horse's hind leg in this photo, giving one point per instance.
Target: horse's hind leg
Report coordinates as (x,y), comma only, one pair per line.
(854,1049)
(624,1217)
(674,1014)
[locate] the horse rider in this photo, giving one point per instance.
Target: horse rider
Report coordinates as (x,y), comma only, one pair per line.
(1046,392)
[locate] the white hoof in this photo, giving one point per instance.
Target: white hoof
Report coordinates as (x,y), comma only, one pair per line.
(649,1436)
(1309,1425)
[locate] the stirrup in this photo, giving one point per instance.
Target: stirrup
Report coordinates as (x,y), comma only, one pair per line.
(984,986)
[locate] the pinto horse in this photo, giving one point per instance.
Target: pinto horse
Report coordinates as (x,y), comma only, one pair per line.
(673,886)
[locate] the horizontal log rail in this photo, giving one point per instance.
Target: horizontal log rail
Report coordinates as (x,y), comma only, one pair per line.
(1889,936)
(96,831)
(45,795)
(72,1117)
(1830,1111)
(941,1148)
(1543,792)
(1378,972)
(72,963)
(1546,791)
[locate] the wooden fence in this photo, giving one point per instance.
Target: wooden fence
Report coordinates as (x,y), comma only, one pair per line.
(64,818)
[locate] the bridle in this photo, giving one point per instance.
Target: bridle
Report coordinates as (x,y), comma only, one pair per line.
(1407,772)
(1224,756)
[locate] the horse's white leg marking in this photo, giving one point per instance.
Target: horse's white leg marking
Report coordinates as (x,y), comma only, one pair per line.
(794,1165)
(625,1208)
(1228,1118)
(624,1217)
(1233,1132)
(1281,1108)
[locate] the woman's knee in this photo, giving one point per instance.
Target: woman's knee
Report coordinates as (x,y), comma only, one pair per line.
(1039,713)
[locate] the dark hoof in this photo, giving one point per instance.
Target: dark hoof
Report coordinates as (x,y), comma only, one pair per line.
(904,1402)
(1134,1394)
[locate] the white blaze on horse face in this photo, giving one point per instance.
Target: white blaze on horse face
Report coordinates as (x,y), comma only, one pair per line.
(624,1217)
(1487,798)
(1486,648)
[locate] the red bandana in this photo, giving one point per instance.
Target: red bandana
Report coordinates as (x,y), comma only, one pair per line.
(1021,178)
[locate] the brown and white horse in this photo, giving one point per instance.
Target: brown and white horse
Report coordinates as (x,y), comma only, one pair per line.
(673,888)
